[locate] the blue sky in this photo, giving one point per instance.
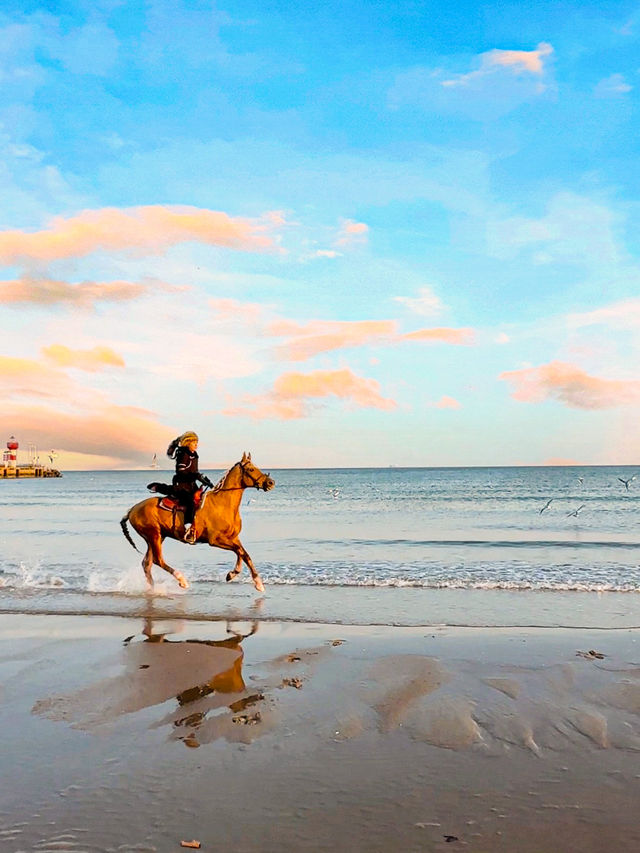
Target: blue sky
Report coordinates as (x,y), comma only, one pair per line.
(347,234)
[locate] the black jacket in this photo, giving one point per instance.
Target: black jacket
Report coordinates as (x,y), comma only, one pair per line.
(187,473)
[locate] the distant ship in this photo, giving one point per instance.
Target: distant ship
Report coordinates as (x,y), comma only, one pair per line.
(154,462)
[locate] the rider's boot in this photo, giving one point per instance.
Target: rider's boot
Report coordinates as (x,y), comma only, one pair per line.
(190,535)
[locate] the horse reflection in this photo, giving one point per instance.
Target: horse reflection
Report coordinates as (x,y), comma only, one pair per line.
(203,676)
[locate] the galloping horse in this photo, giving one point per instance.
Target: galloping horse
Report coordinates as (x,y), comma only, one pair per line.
(217,522)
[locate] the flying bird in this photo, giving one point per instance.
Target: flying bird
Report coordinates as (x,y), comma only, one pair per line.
(576,511)
(581,480)
(547,505)
(626,482)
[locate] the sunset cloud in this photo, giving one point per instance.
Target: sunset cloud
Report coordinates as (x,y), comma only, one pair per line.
(136,230)
(91,360)
(324,336)
(291,394)
(521,60)
(119,435)
(351,232)
(517,61)
(233,309)
(24,377)
(447,403)
(457,337)
(571,386)
(45,291)
(319,336)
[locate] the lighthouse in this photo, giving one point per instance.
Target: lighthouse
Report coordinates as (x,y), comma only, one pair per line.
(12,452)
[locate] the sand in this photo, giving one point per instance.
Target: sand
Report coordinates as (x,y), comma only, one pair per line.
(125,734)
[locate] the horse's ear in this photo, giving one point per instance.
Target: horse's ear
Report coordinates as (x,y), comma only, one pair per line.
(244,457)
(248,457)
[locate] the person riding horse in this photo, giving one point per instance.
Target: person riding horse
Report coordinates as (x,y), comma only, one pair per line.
(185,481)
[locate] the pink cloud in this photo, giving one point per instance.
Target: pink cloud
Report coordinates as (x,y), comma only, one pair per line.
(518,61)
(291,393)
(457,337)
(521,60)
(571,386)
(20,377)
(324,336)
(557,461)
(44,291)
(447,403)
(141,230)
(124,434)
(91,360)
(233,309)
(351,232)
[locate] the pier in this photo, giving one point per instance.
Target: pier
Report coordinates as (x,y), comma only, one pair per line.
(22,471)
(10,470)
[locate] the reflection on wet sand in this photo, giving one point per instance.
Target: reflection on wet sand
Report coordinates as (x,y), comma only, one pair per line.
(203,676)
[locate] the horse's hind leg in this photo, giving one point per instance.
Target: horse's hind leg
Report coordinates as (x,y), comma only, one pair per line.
(158,559)
(147,562)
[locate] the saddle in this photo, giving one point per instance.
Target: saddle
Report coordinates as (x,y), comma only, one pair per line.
(174,505)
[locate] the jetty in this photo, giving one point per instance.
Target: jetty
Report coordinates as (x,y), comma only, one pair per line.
(22,471)
(10,470)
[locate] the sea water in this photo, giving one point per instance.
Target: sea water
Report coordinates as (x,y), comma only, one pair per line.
(393,545)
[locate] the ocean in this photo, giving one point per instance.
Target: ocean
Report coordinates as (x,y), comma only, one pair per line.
(393,546)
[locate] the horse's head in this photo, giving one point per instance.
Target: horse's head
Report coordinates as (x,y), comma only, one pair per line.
(253,476)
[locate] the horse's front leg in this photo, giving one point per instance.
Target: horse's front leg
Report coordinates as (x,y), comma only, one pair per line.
(242,554)
(235,571)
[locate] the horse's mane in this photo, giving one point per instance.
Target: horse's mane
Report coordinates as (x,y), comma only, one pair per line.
(218,486)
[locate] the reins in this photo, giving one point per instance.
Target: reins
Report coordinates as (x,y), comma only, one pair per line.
(214,490)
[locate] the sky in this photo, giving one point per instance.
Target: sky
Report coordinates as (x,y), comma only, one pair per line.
(339,234)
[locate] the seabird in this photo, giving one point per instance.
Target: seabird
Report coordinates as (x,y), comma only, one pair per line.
(547,505)
(576,511)
(626,482)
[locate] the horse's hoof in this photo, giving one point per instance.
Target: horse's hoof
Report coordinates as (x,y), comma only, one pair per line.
(258,584)
(182,581)
(230,576)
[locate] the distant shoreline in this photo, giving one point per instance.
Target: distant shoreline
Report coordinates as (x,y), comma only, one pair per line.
(223,467)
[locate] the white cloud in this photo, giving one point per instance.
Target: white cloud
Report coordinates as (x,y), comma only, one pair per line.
(613,86)
(426,303)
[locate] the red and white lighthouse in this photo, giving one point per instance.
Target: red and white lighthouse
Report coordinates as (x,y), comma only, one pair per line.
(12,452)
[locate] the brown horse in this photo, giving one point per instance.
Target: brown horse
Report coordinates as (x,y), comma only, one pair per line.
(217,521)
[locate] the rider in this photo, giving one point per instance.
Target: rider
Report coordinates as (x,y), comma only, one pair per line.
(186,479)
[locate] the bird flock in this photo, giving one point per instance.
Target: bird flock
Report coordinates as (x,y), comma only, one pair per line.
(574,513)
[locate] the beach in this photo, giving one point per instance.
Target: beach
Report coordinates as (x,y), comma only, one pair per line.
(436,665)
(126,733)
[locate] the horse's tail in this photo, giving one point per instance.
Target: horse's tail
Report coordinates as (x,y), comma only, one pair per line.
(125,530)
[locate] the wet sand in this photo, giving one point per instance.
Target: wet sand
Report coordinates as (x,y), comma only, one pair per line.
(132,734)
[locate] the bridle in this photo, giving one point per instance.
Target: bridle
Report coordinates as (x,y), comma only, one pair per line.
(254,482)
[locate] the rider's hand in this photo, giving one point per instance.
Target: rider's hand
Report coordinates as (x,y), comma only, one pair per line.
(152,487)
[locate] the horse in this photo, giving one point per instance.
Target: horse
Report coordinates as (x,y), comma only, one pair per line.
(217,522)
